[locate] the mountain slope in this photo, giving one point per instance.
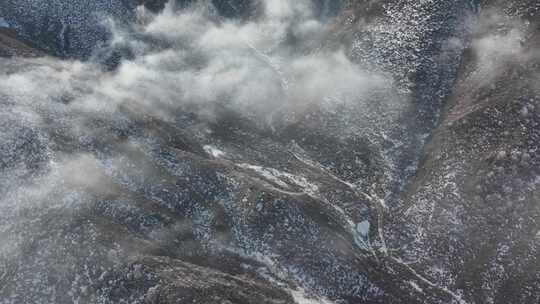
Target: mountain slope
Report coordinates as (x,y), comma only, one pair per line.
(274,152)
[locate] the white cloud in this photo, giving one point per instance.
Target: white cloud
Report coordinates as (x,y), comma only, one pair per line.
(499,43)
(251,66)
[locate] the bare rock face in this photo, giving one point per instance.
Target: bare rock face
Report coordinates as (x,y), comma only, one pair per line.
(355,152)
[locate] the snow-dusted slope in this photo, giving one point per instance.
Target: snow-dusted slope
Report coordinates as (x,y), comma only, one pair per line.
(272,151)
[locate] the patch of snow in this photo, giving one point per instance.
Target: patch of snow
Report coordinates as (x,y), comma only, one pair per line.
(363,228)
(415,286)
(283,179)
(215,152)
(300,297)
(269,174)
(3,23)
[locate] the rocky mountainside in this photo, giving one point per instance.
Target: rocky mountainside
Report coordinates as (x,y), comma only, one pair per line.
(274,151)
(473,205)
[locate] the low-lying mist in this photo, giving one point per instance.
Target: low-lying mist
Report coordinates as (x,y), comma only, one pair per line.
(275,63)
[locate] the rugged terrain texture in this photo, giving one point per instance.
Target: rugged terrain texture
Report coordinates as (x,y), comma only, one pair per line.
(424,190)
(474,200)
